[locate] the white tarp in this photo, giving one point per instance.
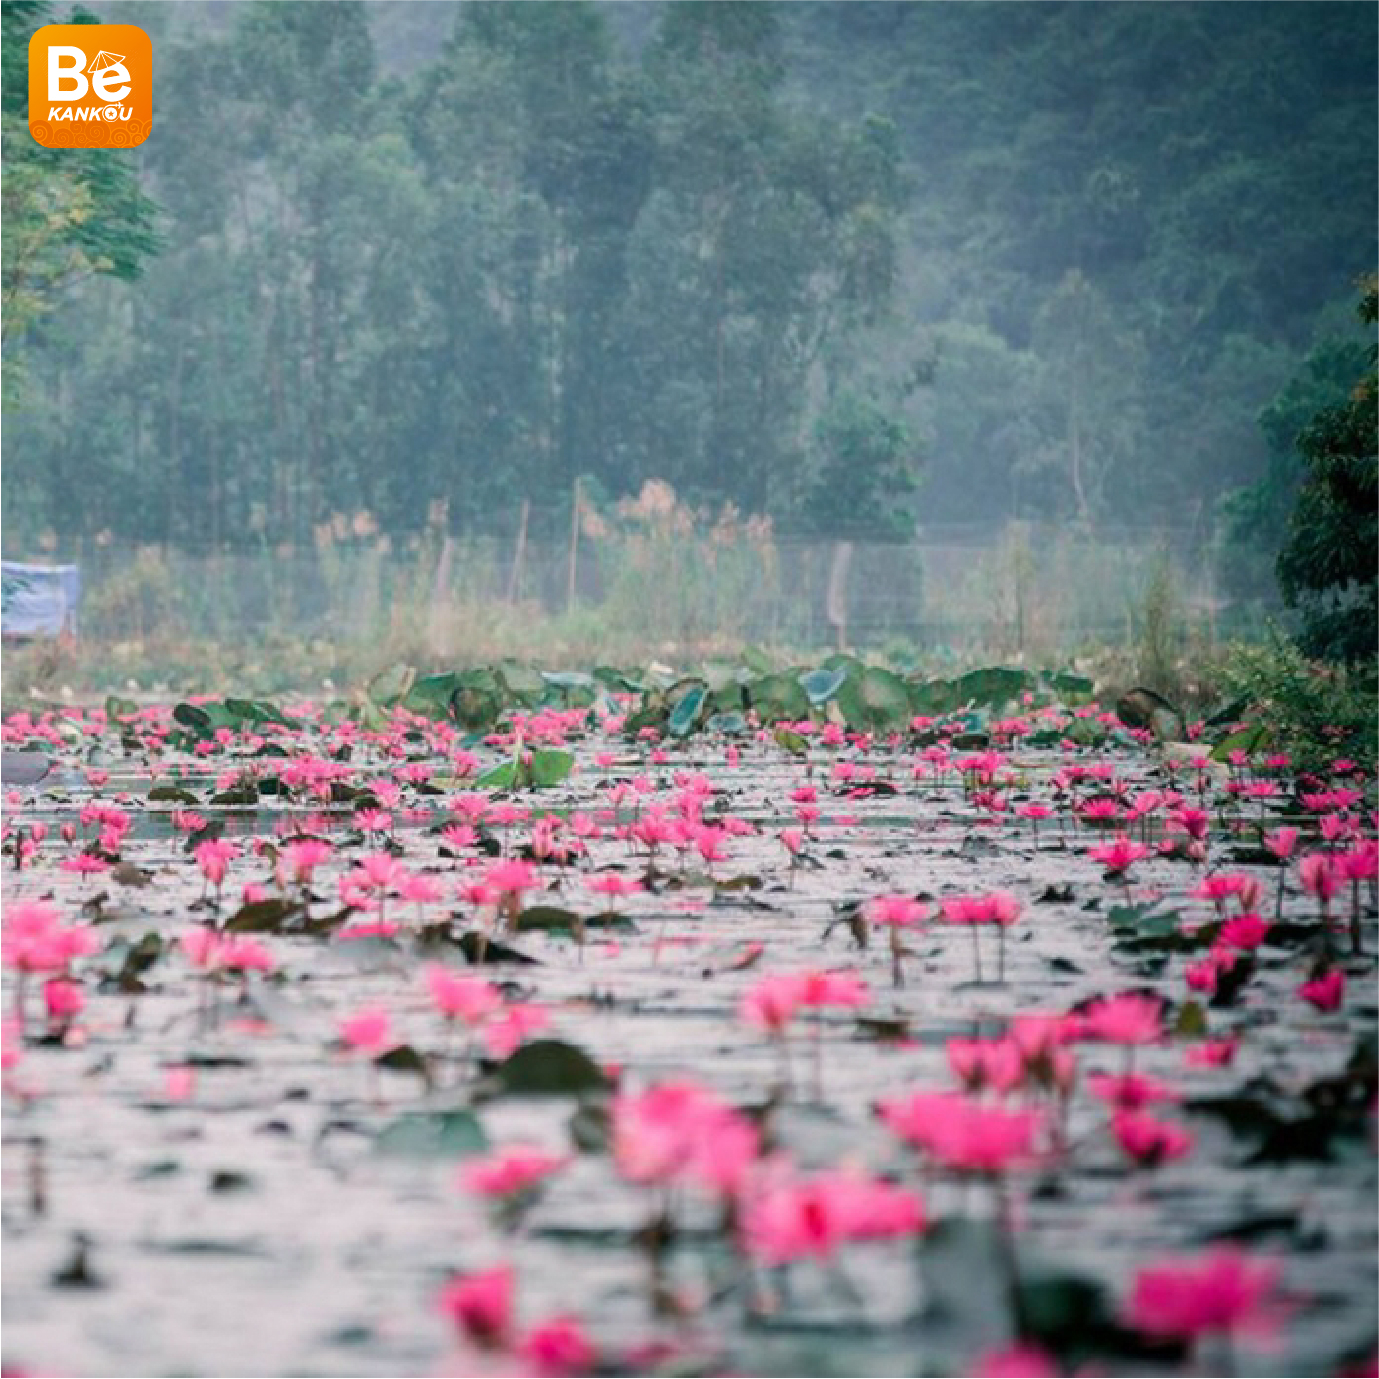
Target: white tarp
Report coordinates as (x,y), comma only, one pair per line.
(38,600)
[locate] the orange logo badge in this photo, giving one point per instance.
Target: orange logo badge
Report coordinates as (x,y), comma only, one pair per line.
(90,85)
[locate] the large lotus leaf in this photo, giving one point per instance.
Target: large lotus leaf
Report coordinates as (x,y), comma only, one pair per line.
(573,688)
(722,676)
(500,777)
(822,684)
(651,713)
(687,709)
(1144,708)
(1072,690)
(778,696)
(389,685)
(730,724)
(431,695)
(993,686)
(756,661)
(204,719)
(620,682)
(885,698)
(477,700)
(549,766)
(933,698)
(732,700)
(258,711)
(523,682)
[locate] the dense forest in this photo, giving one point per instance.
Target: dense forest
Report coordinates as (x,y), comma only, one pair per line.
(854,266)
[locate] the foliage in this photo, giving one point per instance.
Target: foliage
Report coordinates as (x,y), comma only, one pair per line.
(1254,519)
(1160,633)
(867,452)
(1328,568)
(68,213)
(390,295)
(1315,713)
(451,257)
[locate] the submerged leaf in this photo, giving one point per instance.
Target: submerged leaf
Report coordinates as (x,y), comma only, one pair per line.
(432,1135)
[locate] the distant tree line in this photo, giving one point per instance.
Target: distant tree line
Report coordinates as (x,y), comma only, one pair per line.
(852,266)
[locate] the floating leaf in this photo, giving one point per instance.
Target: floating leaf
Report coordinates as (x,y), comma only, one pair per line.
(549,766)
(479,948)
(548,919)
(263,916)
(549,1067)
(127,874)
(404,1058)
(432,1135)
(229,1180)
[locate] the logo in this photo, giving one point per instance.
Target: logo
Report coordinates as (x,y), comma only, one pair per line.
(90,86)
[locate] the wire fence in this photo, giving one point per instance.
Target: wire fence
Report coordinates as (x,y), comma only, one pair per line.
(1021,589)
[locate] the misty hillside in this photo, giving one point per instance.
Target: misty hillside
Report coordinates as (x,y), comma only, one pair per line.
(854,266)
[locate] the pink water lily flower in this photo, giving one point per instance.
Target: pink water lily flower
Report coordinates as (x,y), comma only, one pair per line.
(961,1133)
(614,885)
(214,857)
(1223,1292)
(507,1031)
(1130,1018)
(770,1004)
(1281,842)
(1147,1140)
(511,878)
(1222,886)
(1130,1091)
(1018,1361)
(515,1169)
(814,1216)
(1325,992)
(898,910)
(1244,931)
(1119,855)
(999,907)
(368,1032)
(558,1346)
(994,1064)
(481,1305)
(681,1131)
(461,997)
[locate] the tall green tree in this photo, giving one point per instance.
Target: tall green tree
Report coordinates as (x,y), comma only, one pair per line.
(1329,566)
(68,213)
